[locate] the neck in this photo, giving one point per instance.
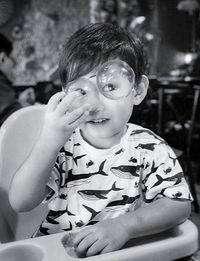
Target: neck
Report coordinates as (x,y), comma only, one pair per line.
(107,142)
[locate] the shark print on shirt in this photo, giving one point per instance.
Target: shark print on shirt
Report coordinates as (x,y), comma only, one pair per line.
(97,194)
(88,185)
(125,200)
(126,171)
(72,177)
(175,178)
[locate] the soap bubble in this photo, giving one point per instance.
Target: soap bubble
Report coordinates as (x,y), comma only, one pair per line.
(85,90)
(115,79)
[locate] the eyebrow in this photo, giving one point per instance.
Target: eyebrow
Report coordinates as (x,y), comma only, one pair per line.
(92,76)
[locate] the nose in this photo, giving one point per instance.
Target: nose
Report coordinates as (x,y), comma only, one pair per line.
(92,96)
(96,109)
(96,104)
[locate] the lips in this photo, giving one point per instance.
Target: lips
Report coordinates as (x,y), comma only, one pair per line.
(98,121)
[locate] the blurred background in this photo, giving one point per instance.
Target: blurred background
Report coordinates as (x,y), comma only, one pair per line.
(169,29)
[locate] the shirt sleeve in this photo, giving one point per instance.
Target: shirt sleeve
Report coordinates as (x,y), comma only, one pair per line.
(163,176)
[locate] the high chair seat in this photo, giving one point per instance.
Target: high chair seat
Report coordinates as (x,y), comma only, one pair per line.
(18,135)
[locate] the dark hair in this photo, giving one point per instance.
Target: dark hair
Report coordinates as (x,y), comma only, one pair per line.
(5,45)
(95,44)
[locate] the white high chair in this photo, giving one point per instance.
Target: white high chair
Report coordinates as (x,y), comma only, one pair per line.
(17,137)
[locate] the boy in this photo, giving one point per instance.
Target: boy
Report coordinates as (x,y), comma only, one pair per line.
(120,178)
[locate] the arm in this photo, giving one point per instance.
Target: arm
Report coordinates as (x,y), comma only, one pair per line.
(160,215)
(112,234)
(28,186)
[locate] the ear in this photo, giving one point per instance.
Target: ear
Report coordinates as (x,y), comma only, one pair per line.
(141,89)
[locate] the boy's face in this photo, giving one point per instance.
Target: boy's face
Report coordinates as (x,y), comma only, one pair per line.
(111,95)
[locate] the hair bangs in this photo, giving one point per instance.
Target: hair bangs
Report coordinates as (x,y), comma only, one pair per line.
(91,46)
(82,65)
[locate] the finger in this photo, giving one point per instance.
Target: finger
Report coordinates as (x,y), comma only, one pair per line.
(86,243)
(55,100)
(80,235)
(66,102)
(78,115)
(106,249)
(96,248)
(79,121)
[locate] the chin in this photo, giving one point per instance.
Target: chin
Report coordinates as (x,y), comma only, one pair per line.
(101,133)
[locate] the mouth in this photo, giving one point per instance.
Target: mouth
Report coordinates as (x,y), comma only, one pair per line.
(98,121)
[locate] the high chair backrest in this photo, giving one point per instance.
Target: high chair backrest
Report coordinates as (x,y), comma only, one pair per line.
(18,135)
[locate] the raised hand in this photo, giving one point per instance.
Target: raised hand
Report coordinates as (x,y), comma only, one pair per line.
(60,120)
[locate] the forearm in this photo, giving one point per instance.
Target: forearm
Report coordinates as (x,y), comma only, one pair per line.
(156,217)
(28,185)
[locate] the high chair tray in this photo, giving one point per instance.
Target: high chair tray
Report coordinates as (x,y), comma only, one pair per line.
(176,243)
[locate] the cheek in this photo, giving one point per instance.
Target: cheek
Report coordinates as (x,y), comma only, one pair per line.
(126,112)
(123,109)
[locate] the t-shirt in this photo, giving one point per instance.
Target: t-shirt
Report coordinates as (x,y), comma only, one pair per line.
(89,184)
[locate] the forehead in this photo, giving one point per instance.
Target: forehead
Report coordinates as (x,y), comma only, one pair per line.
(91,75)
(94,71)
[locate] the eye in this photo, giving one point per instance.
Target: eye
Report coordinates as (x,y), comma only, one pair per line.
(81,91)
(109,87)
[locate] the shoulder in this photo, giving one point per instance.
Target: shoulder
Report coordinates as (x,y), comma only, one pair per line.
(73,147)
(146,141)
(72,142)
(140,133)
